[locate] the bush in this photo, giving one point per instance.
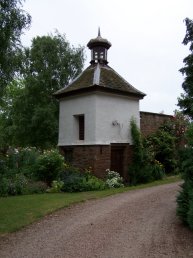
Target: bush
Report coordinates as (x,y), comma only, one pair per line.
(3,166)
(139,174)
(139,171)
(183,200)
(56,187)
(157,170)
(94,184)
(48,166)
(21,157)
(113,179)
(164,149)
(75,181)
(33,187)
(12,186)
(4,186)
(185,197)
(190,211)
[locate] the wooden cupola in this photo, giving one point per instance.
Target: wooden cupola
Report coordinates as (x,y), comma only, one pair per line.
(99,47)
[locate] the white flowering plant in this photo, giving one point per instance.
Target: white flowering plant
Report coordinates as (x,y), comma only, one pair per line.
(114,180)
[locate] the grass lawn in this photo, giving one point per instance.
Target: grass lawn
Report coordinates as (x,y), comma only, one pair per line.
(19,211)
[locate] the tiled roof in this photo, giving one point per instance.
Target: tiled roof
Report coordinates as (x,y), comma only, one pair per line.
(99,77)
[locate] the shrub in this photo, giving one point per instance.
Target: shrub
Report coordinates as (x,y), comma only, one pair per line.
(3,166)
(140,171)
(33,187)
(4,186)
(164,149)
(17,184)
(21,160)
(93,184)
(157,170)
(113,179)
(190,211)
(12,185)
(56,187)
(48,166)
(139,174)
(75,181)
(185,197)
(72,179)
(183,200)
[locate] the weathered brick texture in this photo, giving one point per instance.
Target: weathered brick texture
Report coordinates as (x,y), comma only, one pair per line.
(150,122)
(98,157)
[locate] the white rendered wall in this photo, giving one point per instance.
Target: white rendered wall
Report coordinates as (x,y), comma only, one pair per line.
(113,116)
(107,119)
(68,126)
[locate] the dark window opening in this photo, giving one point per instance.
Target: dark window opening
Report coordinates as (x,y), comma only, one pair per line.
(81,127)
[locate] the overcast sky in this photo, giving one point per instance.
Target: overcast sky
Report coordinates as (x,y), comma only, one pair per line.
(146,37)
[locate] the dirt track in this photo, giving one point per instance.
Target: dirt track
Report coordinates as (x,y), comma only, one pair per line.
(139,223)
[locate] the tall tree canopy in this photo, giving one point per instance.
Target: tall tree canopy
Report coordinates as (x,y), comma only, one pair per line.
(186,100)
(12,22)
(48,65)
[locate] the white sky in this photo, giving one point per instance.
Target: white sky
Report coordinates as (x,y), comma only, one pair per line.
(146,38)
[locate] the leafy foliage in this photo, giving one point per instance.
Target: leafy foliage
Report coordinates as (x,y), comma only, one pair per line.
(13,186)
(29,115)
(76,181)
(186,100)
(177,127)
(185,197)
(138,149)
(26,171)
(144,168)
(48,166)
(183,200)
(190,211)
(163,146)
(56,187)
(13,20)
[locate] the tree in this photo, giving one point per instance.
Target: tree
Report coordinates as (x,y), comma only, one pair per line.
(12,22)
(48,65)
(185,102)
(177,127)
(11,93)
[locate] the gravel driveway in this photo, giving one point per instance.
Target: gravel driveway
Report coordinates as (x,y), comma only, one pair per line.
(140,223)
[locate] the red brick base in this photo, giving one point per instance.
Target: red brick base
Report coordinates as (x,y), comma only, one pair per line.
(98,157)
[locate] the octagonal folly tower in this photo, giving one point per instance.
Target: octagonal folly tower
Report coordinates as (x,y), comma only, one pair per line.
(95,113)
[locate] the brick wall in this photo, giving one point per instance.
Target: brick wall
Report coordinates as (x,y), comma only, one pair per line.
(95,156)
(98,157)
(150,122)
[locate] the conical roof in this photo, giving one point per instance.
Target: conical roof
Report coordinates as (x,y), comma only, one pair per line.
(99,77)
(99,41)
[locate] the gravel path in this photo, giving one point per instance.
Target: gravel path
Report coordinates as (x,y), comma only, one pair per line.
(139,223)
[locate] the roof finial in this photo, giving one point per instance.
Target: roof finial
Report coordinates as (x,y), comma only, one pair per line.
(99,32)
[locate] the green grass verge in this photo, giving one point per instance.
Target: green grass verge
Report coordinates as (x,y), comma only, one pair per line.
(19,211)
